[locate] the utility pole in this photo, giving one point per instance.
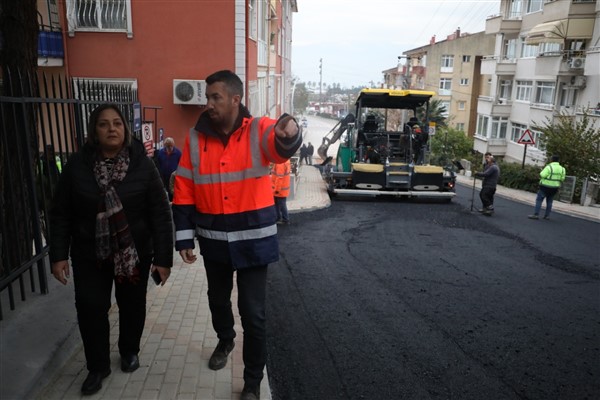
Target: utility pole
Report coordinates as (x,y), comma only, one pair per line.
(320,80)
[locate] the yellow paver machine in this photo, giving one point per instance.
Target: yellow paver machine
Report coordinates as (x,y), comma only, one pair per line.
(383,148)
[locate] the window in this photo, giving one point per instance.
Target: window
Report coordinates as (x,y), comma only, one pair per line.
(447,63)
(104,15)
(528,50)
(524,90)
(548,48)
(517,131)
(505,89)
(534,5)
(445,87)
(482,125)
(460,126)
(464,82)
(499,128)
(252,19)
(510,49)
(516,9)
(538,137)
(461,105)
(445,106)
(544,93)
(568,96)
(466,59)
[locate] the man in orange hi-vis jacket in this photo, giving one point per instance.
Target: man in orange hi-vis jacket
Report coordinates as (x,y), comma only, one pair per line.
(223,197)
(280,176)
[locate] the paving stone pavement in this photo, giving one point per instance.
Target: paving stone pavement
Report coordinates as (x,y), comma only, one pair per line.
(176,345)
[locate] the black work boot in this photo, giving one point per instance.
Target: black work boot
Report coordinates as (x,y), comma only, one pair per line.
(250,393)
(218,360)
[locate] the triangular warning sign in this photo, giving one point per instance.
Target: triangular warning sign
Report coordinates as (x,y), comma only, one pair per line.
(526,138)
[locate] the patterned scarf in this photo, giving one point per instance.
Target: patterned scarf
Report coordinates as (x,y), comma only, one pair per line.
(113,237)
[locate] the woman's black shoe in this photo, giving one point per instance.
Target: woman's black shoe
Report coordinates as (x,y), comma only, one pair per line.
(130,363)
(93,382)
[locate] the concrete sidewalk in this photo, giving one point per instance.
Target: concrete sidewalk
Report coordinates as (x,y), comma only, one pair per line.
(176,345)
(42,354)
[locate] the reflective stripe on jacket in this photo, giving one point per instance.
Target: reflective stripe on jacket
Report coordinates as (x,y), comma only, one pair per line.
(223,194)
(553,175)
(280,177)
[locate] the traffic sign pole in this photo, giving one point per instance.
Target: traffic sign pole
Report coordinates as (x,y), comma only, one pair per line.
(524,155)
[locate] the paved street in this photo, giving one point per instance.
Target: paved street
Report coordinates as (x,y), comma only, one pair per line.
(178,338)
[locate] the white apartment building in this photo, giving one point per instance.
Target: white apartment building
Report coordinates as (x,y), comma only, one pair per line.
(546,62)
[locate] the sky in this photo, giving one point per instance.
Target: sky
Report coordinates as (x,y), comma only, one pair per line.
(358,39)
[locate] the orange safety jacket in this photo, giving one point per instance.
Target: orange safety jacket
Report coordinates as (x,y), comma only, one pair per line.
(223,191)
(280,178)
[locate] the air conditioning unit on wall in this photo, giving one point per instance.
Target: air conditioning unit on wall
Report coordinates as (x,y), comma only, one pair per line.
(577,63)
(186,91)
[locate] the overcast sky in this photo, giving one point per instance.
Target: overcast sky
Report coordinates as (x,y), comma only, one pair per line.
(357,39)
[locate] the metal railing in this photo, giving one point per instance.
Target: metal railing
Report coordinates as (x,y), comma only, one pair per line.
(39,135)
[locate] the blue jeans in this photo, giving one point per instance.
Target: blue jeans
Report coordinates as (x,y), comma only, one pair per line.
(548,194)
(252,284)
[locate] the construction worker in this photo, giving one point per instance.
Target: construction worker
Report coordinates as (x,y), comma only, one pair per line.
(552,176)
(280,178)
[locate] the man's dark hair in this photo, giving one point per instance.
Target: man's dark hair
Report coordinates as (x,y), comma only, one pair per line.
(488,154)
(555,158)
(92,135)
(230,79)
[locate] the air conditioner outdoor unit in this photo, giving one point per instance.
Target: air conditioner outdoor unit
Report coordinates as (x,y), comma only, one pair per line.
(186,91)
(577,62)
(578,81)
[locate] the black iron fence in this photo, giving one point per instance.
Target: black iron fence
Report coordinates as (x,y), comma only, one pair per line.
(37,135)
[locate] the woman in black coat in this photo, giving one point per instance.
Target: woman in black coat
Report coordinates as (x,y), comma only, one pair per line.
(111,213)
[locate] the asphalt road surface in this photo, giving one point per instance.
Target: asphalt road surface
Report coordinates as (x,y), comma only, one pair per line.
(398,299)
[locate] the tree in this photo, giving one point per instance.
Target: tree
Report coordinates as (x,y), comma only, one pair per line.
(450,144)
(437,113)
(576,141)
(18,59)
(300,97)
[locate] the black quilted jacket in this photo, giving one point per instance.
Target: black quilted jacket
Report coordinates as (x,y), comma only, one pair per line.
(75,205)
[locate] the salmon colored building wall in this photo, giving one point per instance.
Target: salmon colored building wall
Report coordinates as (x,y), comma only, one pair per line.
(171,40)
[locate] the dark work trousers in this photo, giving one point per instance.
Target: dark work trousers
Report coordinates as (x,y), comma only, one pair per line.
(93,287)
(251,283)
(487,197)
(281,208)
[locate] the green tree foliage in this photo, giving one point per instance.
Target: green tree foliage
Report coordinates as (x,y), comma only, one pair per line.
(436,113)
(576,141)
(449,144)
(300,97)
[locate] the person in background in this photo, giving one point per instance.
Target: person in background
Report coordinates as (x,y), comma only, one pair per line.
(111,214)
(310,150)
(223,196)
(280,178)
(552,177)
(303,154)
(167,160)
(490,176)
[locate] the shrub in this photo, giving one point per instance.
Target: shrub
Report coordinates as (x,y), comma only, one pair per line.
(515,177)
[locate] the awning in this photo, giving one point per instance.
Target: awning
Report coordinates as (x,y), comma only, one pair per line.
(558,31)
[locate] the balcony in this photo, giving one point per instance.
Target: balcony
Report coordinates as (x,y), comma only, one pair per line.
(498,65)
(498,24)
(488,105)
(50,47)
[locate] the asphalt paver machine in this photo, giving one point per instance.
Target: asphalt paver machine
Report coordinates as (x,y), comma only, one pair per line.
(383,148)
